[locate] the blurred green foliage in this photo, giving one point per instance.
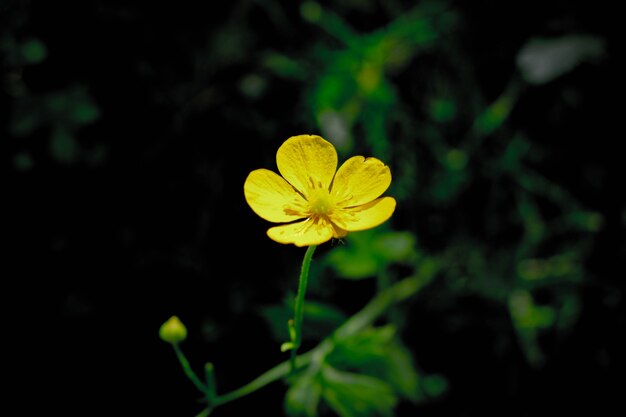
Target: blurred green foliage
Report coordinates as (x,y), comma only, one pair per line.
(536,275)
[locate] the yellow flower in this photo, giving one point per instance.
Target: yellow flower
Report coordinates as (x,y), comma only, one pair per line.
(316,202)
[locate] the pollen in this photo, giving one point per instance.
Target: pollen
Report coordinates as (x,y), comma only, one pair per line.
(321,203)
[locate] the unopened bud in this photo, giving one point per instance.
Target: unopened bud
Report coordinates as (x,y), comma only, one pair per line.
(173,331)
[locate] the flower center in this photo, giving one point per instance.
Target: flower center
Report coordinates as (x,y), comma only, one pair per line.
(320,202)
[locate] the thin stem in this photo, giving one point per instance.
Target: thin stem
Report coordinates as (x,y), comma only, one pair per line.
(379,304)
(205,413)
(396,293)
(279,371)
(211,387)
(187,369)
(299,307)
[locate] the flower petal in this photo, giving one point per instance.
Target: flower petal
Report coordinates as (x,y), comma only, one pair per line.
(360,180)
(307,162)
(305,233)
(365,216)
(273,198)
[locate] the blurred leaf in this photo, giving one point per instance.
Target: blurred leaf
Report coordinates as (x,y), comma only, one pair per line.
(354,261)
(542,60)
(442,110)
(81,107)
(277,316)
(569,311)
(27,117)
(63,146)
(253,85)
(456,159)
(396,246)
(368,252)
(359,350)
(496,114)
(320,319)
(378,352)
(323,313)
(527,314)
(33,51)
(335,126)
(534,225)
(517,148)
(311,11)
(72,106)
(528,319)
(586,220)
(434,385)
(400,372)
(354,395)
(304,395)
(283,65)
(84,112)
(23,161)
(448,183)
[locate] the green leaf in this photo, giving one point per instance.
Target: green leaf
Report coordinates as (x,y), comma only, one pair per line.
(368,252)
(320,319)
(352,263)
(84,112)
(379,353)
(363,348)
(354,395)
(395,246)
(399,371)
(304,395)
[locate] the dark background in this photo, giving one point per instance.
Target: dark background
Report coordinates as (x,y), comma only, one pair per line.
(128,129)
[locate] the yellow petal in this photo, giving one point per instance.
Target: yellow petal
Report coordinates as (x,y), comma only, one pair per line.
(365,216)
(305,233)
(307,162)
(272,198)
(360,180)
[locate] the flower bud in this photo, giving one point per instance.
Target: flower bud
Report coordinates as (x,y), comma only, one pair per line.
(173,331)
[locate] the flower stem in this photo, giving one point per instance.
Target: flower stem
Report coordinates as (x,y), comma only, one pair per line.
(299,307)
(279,371)
(187,369)
(396,293)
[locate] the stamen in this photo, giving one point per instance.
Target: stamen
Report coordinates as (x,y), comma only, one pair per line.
(320,203)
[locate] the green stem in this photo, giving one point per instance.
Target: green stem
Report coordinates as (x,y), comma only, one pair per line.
(396,293)
(205,413)
(187,369)
(279,371)
(299,307)
(211,387)
(379,304)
